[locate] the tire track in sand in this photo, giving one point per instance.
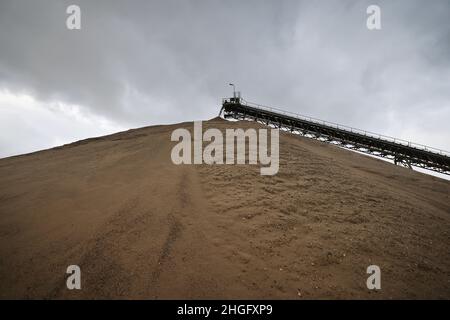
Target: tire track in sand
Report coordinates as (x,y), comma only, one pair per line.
(175,229)
(164,257)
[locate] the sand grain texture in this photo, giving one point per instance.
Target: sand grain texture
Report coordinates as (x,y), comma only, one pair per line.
(141,227)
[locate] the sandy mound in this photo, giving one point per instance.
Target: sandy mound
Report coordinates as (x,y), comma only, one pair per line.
(141,227)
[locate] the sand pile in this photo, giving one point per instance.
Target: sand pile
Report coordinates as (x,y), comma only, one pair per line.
(141,227)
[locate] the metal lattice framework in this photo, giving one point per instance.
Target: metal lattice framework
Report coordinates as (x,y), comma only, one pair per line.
(400,151)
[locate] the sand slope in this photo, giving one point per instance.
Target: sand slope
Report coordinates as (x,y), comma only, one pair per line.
(142,227)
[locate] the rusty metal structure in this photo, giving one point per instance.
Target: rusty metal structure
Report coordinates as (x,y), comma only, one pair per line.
(400,151)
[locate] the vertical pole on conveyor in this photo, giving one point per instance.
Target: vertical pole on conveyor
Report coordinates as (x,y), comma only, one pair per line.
(234,90)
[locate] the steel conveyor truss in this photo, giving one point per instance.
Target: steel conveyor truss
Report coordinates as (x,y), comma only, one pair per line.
(400,151)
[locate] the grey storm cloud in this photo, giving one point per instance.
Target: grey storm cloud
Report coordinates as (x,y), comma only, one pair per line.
(148,62)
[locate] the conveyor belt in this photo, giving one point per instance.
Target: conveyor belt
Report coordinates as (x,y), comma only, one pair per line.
(400,151)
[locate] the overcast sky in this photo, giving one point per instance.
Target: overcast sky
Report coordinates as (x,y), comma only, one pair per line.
(137,63)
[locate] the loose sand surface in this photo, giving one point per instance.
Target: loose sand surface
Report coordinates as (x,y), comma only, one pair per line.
(141,227)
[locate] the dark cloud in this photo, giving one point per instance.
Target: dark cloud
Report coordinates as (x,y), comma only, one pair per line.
(148,62)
